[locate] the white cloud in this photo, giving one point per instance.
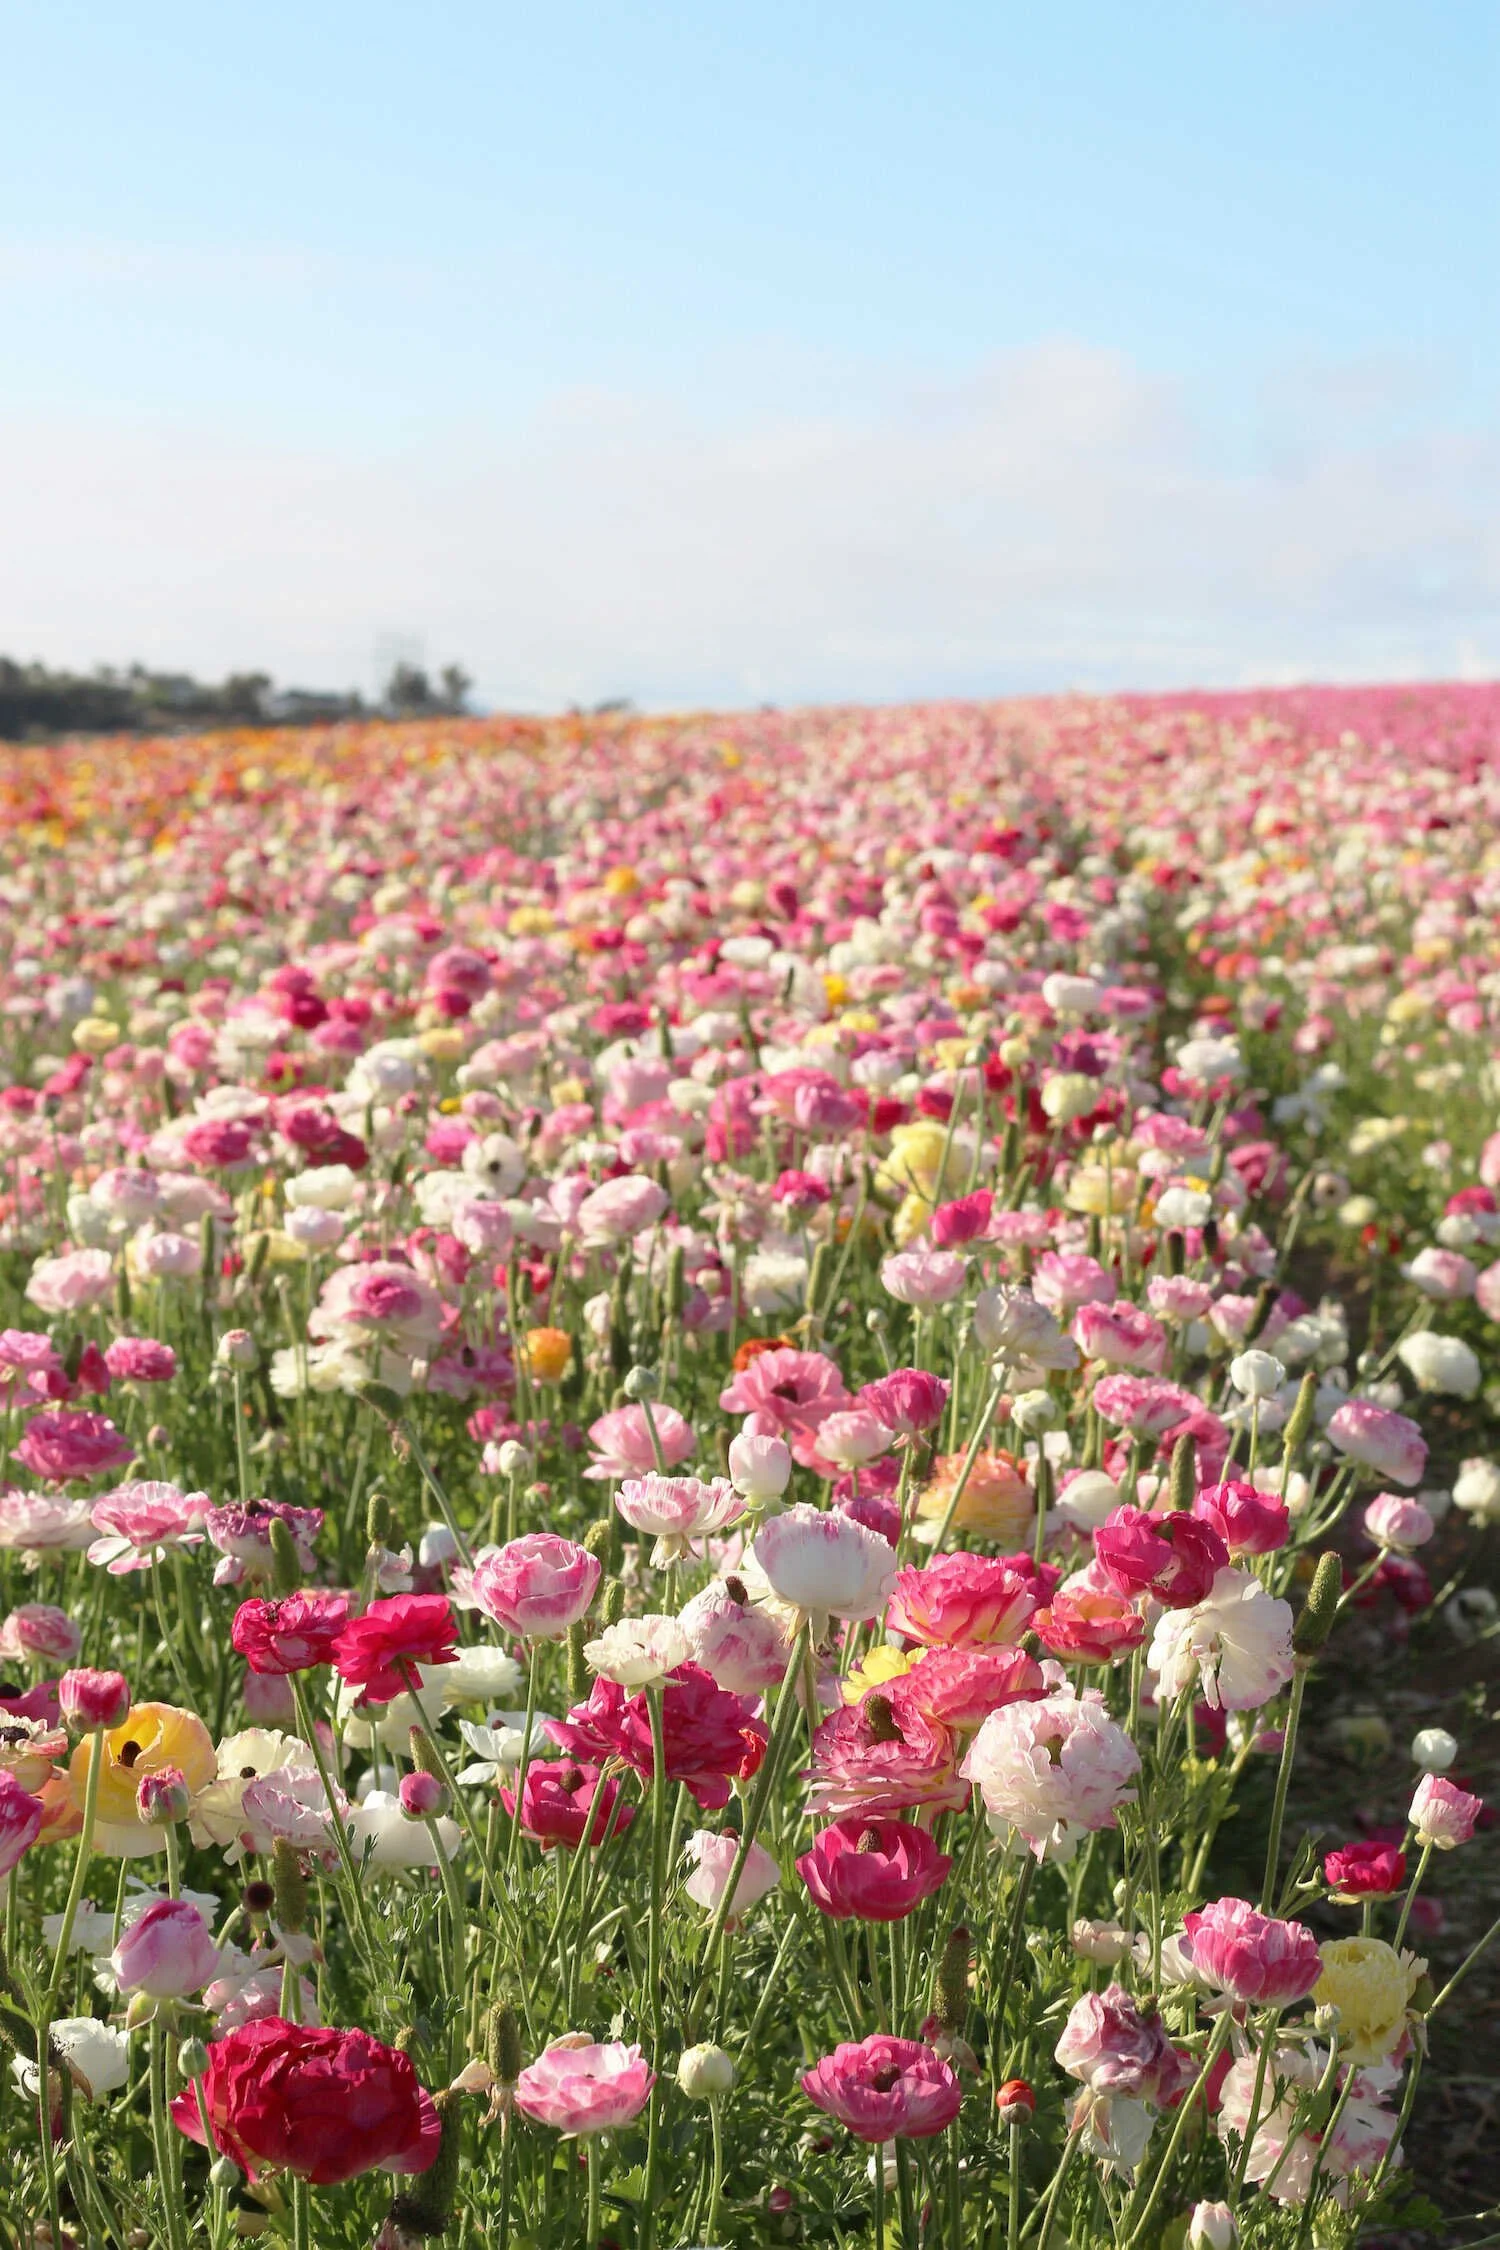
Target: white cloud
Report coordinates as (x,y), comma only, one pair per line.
(1059,519)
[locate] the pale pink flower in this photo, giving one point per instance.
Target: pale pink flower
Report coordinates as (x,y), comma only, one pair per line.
(852,1439)
(1237,1642)
(1379,1439)
(143,1522)
(712,1859)
(537,1586)
(676,1511)
(1392,1519)
(40,1634)
(742,1648)
(42,1523)
(579,2087)
(924,1277)
(825,1565)
(384,1300)
(72,1282)
(1065,1280)
(1121,1335)
(166,1953)
(1442,1813)
(1444,1275)
(1053,1770)
(621,1208)
(759,1467)
(1253,1957)
(622,1441)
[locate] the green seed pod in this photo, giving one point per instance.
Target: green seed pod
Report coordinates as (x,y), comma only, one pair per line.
(382,1398)
(1096,1234)
(1182,1484)
(1265,1299)
(882,1718)
(611,1603)
(122,1294)
(427,2208)
(424,1754)
(1010,1149)
(192,2058)
(1300,1421)
(953,1980)
(290,1886)
(206,1249)
(1315,1621)
(817,1276)
(503,2043)
(378,1520)
(1046,1491)
(672,1303)
(578,1671)
(256,1265)
(286,1566)
(599,1539)
(1176,1251)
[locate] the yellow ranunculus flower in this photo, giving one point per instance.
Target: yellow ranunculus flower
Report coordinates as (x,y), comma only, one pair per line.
(1099,1192)
(881,1665)
(1371,1985)
(150,1737)
(836,988)
(531,921)
(442,1043)
(621,881)
(95,1035)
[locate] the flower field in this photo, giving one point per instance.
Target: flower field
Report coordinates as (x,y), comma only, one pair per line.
(751,1466)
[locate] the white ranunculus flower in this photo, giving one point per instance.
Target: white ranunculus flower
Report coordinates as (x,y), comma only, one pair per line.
(1440,1363)
(638,1651)
(825,1565)
(1476,1490)
(1237,1641)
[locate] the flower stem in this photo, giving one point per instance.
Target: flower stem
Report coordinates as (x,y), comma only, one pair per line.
(1283,1782)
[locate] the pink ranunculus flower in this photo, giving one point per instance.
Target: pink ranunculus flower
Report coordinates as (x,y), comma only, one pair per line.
(1177,1298)
(958,1688)
(29,1364)
(1121,1335)
(1379,1439)
(39,1633)
(1066,1280)
(20,1821)
(908,1401)
(712,1861)
(1444,1275)
(1442,1813)
(793,1390)
(1146,1408)
(66,1448)
(968,1601)
(886,2089)
(166,1953)
(579,2086)
(872,1869)
(1393,1519)
(1360,1871)
(853,1439)
(384,1300)
(1054,1770)
(924,1277)
(759,1467)
(1171,1556)
(140,1359)
(1088,1624)
(884,1755)
(824,1564)
(1237,1641)
(142,1522)
(677,1511)
(622,1441)
(1113,2049)
(1249,1522)
(1253,1957)
(72,1282)
(621,1209)
(242,1536)
(742,1648)
(537,1586)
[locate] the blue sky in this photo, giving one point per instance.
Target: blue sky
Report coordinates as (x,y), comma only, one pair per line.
(707,354)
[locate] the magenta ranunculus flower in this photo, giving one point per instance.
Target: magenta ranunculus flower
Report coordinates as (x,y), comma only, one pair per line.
(538,1586)
(40,1633)
(886,2089)
(965,1601)
(1253,1957)
(88,1698)
(140,1359)
(291,1635)
(20,1821)
(908,1401)
(64,1448)
(1249,1522)
(1173,1557)
(567,1803)
(579,2086)
(1442,1813)
(1379,1439)
(1361,1871)
(872,1870)
(710,1738)
(884,1755)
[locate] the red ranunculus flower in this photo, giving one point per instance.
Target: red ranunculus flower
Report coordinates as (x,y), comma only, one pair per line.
(291,1635)
(376,1652)
(324,2103)
(710,1737)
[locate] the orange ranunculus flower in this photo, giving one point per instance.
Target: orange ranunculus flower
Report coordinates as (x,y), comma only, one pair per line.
(151,1736)
(61,1818)
(548,1354)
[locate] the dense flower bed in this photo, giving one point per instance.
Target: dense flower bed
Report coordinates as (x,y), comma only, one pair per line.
(687,1406)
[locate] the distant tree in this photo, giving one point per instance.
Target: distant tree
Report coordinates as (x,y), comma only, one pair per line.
(456,684)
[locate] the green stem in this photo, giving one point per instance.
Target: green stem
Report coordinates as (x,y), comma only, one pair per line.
(1411,1891)
(1283,1782)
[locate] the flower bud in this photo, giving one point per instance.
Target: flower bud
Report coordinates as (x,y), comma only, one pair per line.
(1434,1749)
(237,1349)
(515,1459)
(705,2073)
(192,2058)
(1015,2098)
(163,1797)
(503,2044)
(1257,1375)
(224,2174)
(1182,1485)
(1033,1412)
(1212,2226)
(760,1468)
(423,1795)
(642,1383)
(286,1565)
(290,1885)
(93,1699)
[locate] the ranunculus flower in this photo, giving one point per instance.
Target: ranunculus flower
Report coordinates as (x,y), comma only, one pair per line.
(62,1448)
(1172,1556)
(743,1648)
(1442,1813)
(1253,1957)
(1238,1640)
(377,1652)
(792,1391)
(567,1803)
(140,1359)
(1360,1871)
(1393,1519)
(621,1208)
(1379,1439)
(759,1467)
(20,1821)
(623,1446)
(884,1755)
(908,1401)
(1371,1985)
(924,1277)
(579,2086)
(872,1869)
(960,1687)
(242,1536)
(323,2103)
(637,1651)
(71,1283)
(676,1511)
(141,1522)
(824,1564)
(537,1586)
(149,1737)
(167,1952)
(1113,2049)
(1444,1364)
(966,1601)
(39,1632)
(1121,1335)
(1053,1770)
(885,2089)
(712,1859)
(290,1635)
(710,1737)
(1249,1522)
(1088,1624)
